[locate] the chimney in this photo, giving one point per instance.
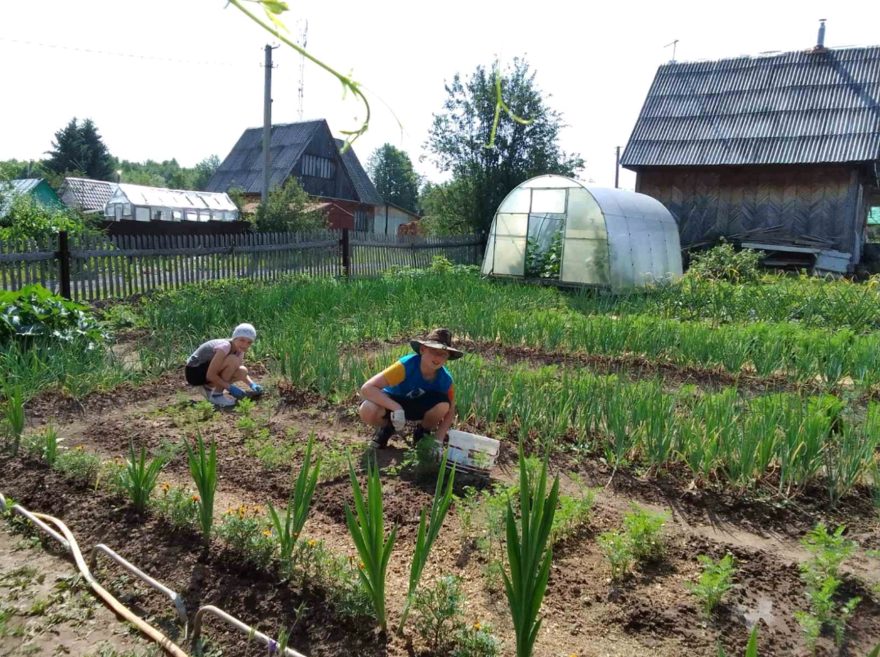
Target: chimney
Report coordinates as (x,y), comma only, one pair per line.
(820,40)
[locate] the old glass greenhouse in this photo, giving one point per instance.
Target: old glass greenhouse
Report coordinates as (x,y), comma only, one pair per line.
(556,229)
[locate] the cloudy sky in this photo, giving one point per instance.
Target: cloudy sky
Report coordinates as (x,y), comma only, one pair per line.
(183,78)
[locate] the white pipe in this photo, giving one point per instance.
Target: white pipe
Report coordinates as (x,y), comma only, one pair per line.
(175,598)
(69,542)
(243,627)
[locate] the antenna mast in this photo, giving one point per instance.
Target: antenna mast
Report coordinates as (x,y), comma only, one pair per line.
(300,91)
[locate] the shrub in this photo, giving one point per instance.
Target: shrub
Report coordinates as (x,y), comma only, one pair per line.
(79,465)
(643,533)
(178,506)
(616,549)
(438,612)
(724,263)
(248,532)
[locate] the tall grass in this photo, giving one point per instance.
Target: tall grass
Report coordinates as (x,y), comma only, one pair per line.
(203,469)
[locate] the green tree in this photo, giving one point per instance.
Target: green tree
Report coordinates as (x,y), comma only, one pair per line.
(462,129)
(78,148)
(447,208)
(289,209)
(392,173)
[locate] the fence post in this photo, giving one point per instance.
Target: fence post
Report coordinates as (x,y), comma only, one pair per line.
(346,253)
(63,256)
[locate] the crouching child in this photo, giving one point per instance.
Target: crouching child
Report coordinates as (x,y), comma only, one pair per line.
(417,388)
(218,366)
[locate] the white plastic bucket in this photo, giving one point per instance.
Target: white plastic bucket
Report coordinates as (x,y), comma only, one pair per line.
(471,452)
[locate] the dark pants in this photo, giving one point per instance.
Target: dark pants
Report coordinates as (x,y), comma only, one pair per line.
(415,409)
(198,375)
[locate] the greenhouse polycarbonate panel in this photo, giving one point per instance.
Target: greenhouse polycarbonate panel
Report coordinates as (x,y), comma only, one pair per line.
(585,261)
(511,225)
(550,201)
(519,200)
(489,256)
(550,182)
(510,256)
(584,219)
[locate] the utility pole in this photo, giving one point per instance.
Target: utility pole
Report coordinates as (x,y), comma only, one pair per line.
(617,167)
(267,125)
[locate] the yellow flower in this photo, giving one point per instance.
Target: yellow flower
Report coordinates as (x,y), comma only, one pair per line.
(312,542)
(477,626)
(79,448)
(267,532)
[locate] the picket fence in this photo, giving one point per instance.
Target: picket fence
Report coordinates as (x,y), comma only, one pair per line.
(91,268)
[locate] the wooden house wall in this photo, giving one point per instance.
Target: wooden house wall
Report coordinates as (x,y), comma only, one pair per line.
(340,186)
(821,201)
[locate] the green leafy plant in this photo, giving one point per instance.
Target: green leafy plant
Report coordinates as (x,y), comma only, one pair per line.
(13,415)
(644,534)
(617,550)
(34,311)
(49,444)
(248,532)
(529,554)
(821,576)
(79,464)
(179,506)
(138,478)
(428,530)
(475,640)
(573,512)
(724,263)
(366,526)
(203,468)
(288,530)
(715,580)
(438,611)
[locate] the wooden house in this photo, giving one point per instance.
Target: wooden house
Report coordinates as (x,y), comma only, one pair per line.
(779,151)
(308,152)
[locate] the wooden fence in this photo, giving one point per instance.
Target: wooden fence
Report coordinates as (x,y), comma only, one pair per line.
(93,268)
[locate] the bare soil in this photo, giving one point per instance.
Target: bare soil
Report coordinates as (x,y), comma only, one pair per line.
(584,614)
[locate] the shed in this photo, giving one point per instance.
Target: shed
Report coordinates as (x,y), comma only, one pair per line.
(141,203)
(782,149)
(390,217)
(36,188)
(555,228)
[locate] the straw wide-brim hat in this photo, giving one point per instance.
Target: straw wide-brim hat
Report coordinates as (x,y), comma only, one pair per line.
(440,338)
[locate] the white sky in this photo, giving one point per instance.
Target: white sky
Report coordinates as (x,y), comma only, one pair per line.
(594,62)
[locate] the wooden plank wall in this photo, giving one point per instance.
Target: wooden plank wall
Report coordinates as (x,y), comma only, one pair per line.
(711,203)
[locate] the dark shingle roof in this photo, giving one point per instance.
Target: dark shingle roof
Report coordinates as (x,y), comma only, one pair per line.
(364,187)
(243,167)
(799,107)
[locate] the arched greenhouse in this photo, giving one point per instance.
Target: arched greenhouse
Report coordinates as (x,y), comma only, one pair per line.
(556,229)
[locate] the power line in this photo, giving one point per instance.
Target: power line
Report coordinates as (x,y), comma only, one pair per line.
(95,51)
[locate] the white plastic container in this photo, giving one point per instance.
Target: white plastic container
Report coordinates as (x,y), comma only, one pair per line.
(471,452)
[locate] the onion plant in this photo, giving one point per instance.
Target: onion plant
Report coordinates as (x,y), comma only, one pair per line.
(203,468)
(428,530)
(138,478)
(367,529)
(13,412)
(529,554)
(298,504)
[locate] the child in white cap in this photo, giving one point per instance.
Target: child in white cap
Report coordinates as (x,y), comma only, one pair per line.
(217,365)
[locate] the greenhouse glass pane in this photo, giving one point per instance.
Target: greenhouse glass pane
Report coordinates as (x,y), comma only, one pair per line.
(515,225)
(510,256)
(548,200)
(518,200)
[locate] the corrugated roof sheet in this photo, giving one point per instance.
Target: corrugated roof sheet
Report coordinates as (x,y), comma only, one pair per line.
(88,195)
(794,108)
(364,187)
(243,167)
(172,198)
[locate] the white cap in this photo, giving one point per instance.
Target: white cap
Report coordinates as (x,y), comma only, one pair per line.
(245,331)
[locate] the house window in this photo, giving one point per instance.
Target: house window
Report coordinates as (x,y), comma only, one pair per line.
(318,167)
